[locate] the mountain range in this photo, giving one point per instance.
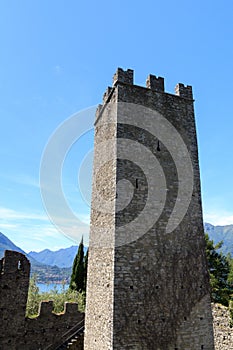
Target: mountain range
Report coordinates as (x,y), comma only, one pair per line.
(45,272)
(56,265)
(221,233)
(7,244)
(61,258)
(65,257)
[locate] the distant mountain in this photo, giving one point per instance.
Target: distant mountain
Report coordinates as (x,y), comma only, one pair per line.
(61,258)
(45,273)
(65,257)
(221,233)
(56,265)
(7,244)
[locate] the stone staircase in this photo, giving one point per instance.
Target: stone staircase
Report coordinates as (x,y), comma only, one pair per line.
(73,339)
(75,343)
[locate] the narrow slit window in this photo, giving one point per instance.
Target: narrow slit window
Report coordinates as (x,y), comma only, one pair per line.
(19,265)
(158,146)
(136,183)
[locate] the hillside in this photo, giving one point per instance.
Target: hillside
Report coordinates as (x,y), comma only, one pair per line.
(61,258)
(7,244)
(221,233)
(45,273)
(65,257)
(56,265)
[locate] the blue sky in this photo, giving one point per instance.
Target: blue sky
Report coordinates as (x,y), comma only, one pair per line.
(58,57)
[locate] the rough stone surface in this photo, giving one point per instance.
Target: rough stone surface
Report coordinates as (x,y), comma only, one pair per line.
(223,332)
(151,292)
(101,252)
(18,332)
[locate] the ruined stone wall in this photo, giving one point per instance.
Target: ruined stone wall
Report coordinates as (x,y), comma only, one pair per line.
(49,329)
(14,282)
(18,332)
(158,278)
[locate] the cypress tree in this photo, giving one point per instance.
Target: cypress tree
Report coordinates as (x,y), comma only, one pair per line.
(77,276)
(85,270)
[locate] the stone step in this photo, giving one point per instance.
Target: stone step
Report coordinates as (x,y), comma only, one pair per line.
(76,343)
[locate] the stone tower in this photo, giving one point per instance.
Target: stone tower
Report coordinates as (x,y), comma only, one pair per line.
(147,282)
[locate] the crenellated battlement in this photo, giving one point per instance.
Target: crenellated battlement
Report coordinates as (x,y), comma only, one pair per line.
(70,308)
(16,329)
(154,83)
(123,76)
(107,93)
(14,262)
(46,309)
(184,91)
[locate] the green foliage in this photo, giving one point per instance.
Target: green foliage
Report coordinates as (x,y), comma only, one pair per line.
(220,270)
(231,313)
(58,298)
(79,270)
(85,270)
(230,275)
(76,292)
(34,299)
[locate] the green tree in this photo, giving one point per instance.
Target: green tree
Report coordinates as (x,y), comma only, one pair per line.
(78,273)
(230,276)
(85,270)
(219,269)
(58,298)
(34,299)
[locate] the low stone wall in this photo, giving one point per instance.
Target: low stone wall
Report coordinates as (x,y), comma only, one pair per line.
(223,333)
(49,329)
(20,333)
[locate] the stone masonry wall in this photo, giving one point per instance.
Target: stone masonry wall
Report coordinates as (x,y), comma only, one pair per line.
(18,332)
(158,282)
(99,304)
(161,278)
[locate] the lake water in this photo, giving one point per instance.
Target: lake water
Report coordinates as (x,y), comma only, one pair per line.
(47,287)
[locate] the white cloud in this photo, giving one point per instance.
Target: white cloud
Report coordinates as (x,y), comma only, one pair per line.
(10,214)
(22,179)
(8,226)
(219,218)
(34,231)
